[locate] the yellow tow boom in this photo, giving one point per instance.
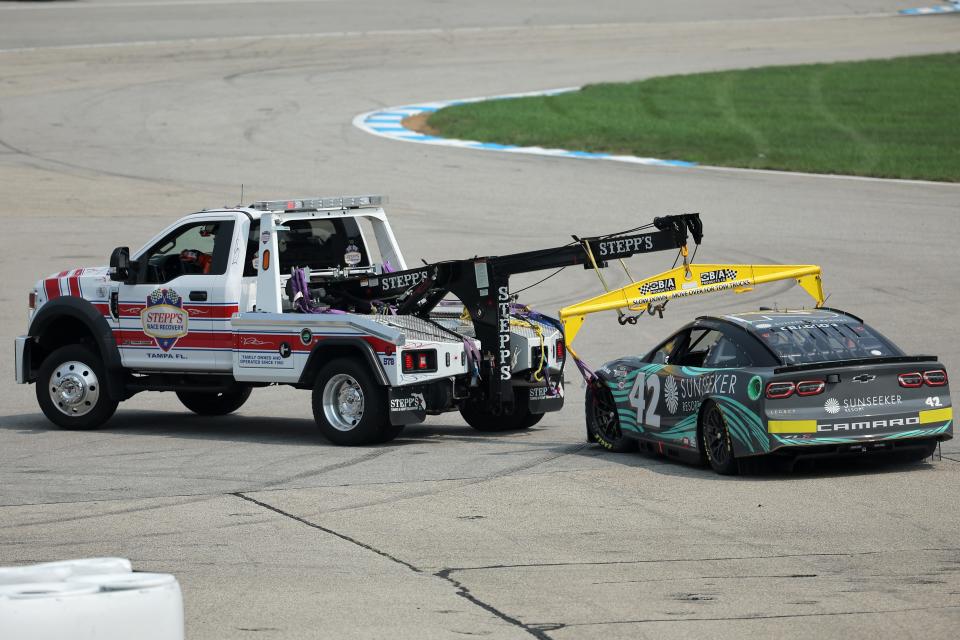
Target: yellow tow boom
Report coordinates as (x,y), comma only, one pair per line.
(689,280)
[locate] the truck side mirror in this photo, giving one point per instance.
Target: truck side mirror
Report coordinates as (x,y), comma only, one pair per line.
(120,264)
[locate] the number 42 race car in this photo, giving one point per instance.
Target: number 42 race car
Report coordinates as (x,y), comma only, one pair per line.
(728,389)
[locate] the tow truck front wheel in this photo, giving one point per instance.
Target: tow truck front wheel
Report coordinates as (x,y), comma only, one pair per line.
(350,407)
(70,389)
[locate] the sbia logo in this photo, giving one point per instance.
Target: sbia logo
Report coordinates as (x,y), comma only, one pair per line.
(658,286)
(717,276)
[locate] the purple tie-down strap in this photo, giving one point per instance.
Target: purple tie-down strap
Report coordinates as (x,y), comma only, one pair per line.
(473,354)
(301,295)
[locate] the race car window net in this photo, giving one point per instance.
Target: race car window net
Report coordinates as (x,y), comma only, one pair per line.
(825,342)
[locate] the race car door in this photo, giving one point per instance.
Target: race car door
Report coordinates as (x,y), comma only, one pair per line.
(673,390)
(169,317)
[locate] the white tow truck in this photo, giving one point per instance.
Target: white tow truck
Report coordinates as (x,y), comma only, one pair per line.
(312,293)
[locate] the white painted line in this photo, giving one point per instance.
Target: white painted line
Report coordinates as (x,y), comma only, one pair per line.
(386,123)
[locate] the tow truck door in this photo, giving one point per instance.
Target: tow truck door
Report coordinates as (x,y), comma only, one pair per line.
(175,316)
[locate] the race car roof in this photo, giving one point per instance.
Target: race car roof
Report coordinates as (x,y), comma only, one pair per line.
(777,318)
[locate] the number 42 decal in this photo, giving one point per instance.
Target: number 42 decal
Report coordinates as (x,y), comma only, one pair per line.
(644,397)
(933,401)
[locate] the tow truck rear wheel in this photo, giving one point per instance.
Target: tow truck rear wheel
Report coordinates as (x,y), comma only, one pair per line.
(715,441)
(212,403)
(479,415)
(350,407)
(484,420)
(603,423)
(70,389)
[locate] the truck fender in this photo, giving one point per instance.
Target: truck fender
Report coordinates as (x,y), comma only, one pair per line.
(84,313)
(347,346)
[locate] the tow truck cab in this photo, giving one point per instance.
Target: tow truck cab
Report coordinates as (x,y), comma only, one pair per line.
(210,306)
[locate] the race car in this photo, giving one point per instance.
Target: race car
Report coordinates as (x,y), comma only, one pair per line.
(727,389)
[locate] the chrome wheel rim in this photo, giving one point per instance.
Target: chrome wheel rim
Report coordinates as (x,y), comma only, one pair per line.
(74,389)
(343,402)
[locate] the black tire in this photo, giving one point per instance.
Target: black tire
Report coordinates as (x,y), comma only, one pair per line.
(479,415)
(212,403)
(715,441)
(72,391)
(359,416)
(603,423)
(917,455)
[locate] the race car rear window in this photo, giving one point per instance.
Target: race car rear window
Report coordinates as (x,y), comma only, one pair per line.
(826,342)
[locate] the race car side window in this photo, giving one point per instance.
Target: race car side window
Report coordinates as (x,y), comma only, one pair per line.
(198,248)
(726,354)
(667,349)
(697,348)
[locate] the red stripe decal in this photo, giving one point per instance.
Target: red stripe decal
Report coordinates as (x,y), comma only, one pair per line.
(52,287)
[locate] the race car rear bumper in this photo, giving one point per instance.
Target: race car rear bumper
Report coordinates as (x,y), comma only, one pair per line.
(875,448)
(21,359)
(933,425)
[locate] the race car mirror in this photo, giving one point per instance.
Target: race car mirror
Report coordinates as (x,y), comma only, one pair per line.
(120,264)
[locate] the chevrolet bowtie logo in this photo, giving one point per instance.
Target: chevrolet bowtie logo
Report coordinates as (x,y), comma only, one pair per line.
(864,378)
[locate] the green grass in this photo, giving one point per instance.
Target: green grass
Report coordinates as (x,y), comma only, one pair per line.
(895,118)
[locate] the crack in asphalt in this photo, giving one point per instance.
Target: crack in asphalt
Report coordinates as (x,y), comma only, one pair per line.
(670,560)
(763,617)
(443,574)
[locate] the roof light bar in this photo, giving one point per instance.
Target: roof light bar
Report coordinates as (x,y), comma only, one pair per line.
(313,204)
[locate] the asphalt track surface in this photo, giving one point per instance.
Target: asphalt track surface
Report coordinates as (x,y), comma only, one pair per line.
(116,117)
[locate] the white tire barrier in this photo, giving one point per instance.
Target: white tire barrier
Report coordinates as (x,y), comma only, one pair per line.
(90,599)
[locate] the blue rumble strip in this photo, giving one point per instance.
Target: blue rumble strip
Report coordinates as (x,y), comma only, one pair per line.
(387,123)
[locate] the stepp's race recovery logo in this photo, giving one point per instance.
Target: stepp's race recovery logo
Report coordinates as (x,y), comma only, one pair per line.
(164,319)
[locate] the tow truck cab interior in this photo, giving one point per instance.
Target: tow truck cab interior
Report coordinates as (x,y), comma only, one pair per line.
(315,244)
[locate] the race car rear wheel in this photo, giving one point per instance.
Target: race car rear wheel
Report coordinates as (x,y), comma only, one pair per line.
(603,422)
(214,404)
(350,408)
(715,441)
(70,389)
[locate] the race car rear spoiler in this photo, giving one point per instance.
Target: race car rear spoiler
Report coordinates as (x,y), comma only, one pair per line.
(852,362)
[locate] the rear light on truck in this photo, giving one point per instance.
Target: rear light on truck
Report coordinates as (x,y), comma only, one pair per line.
(910,380)
(780,390)
(32,300)
(561,351)
(419,361)
(935,378)
(810,387)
